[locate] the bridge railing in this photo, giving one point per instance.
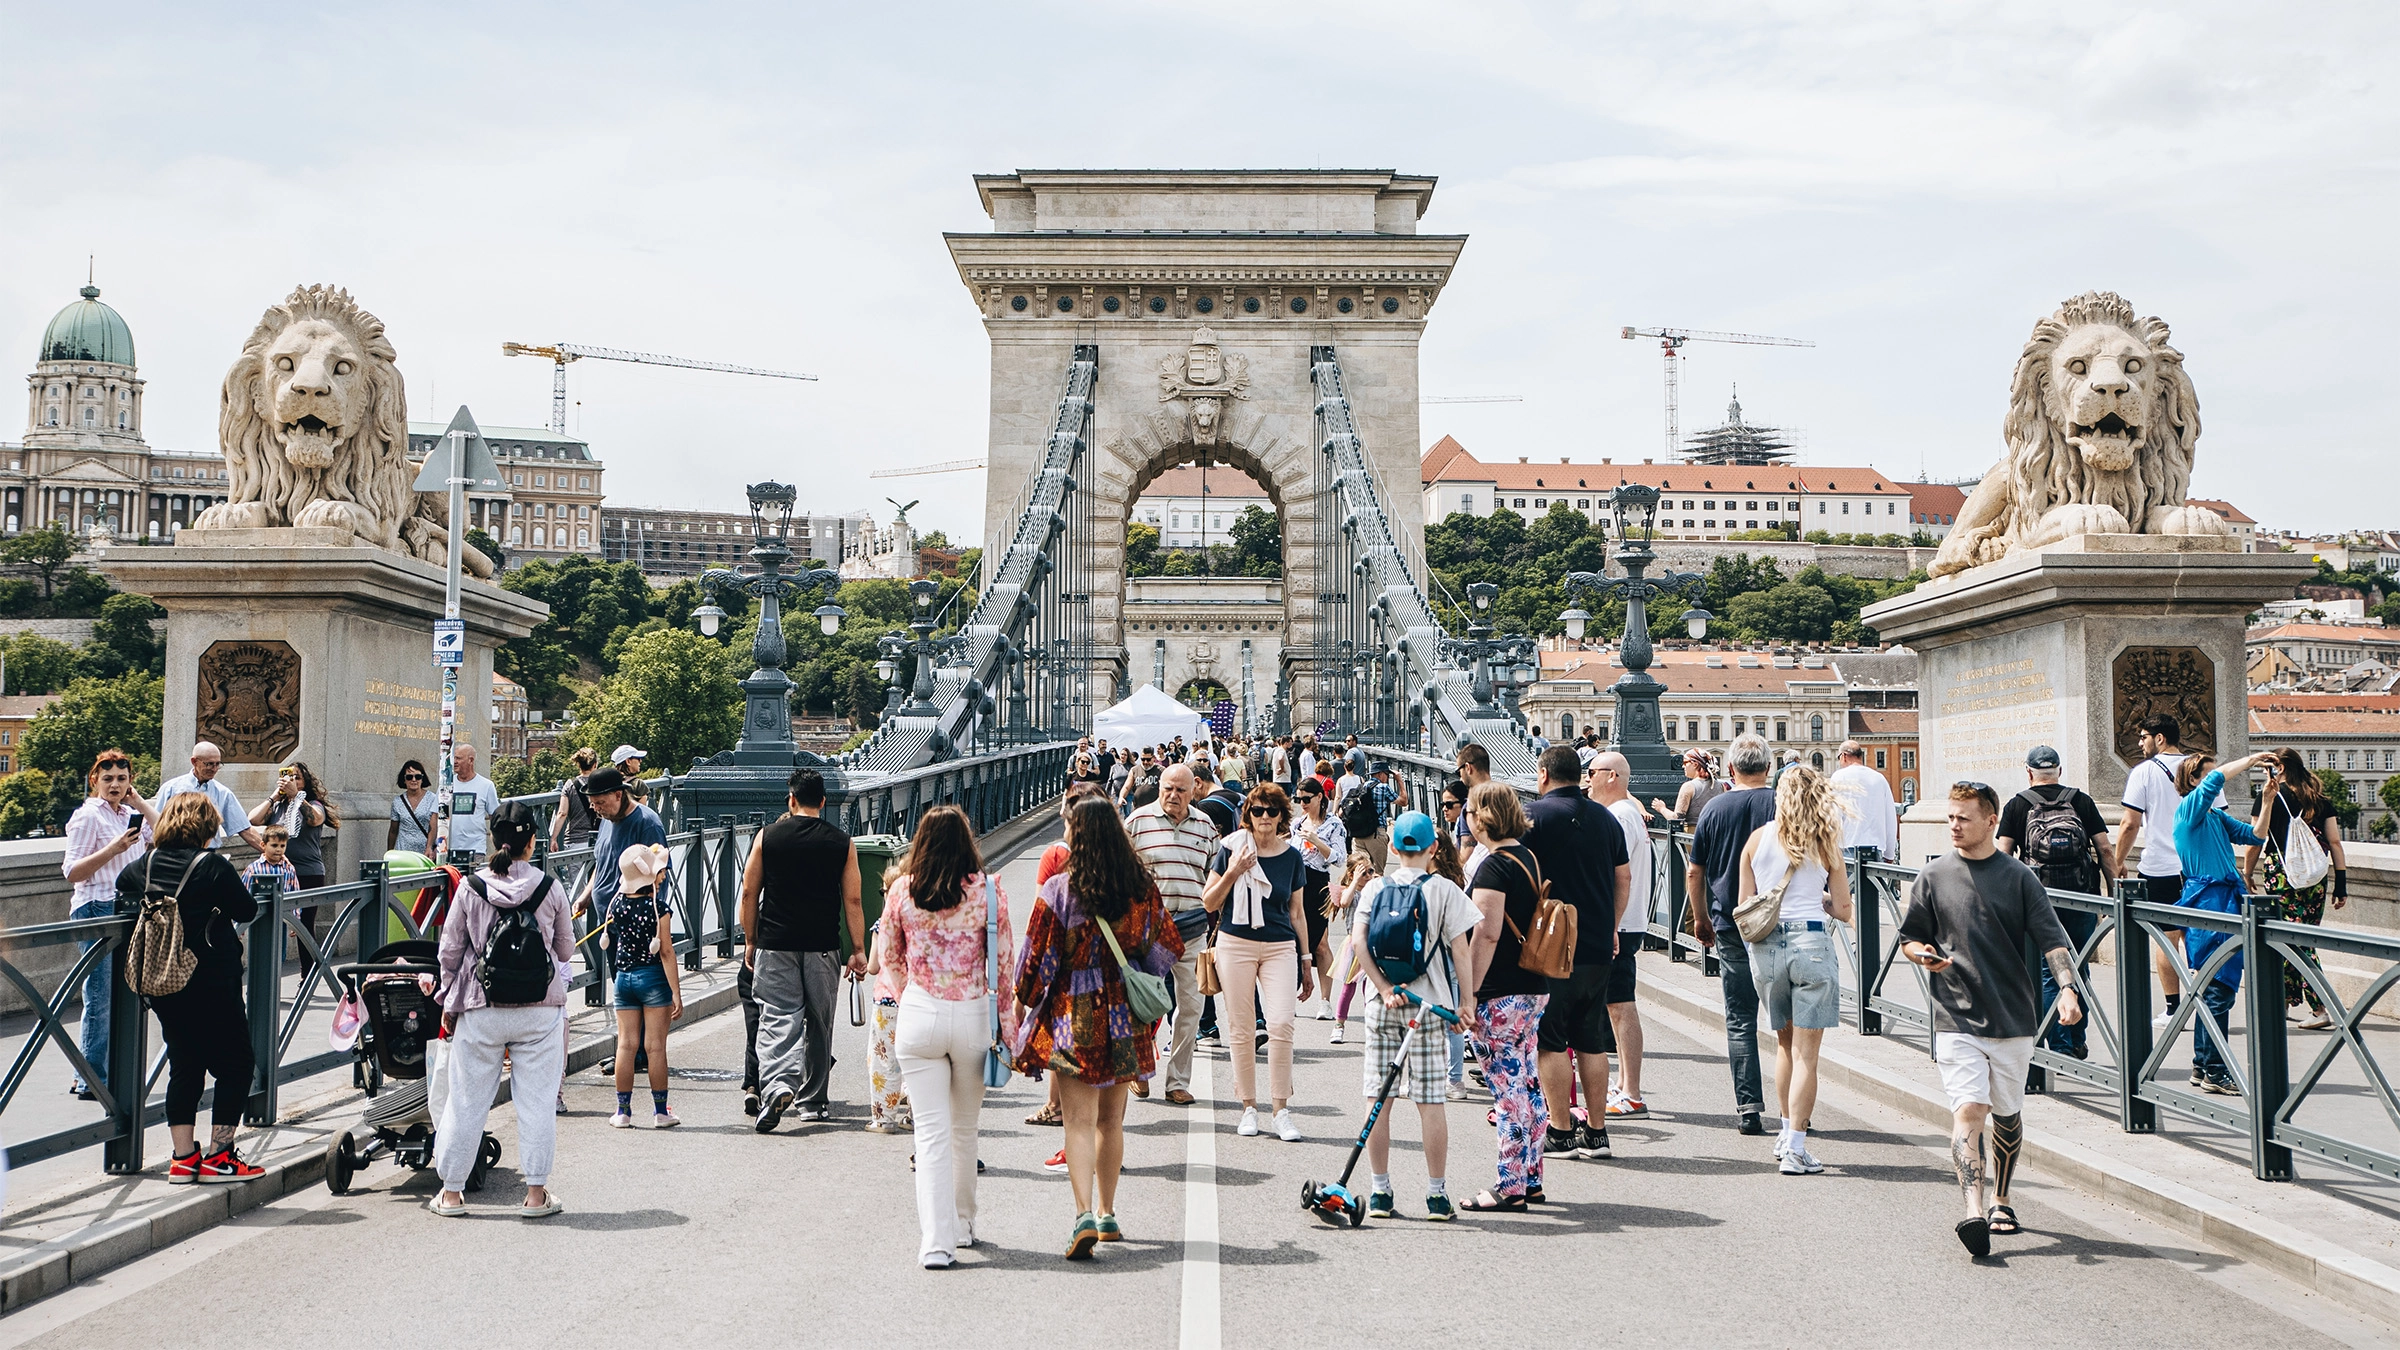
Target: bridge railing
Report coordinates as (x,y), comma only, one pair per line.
(2339,1107)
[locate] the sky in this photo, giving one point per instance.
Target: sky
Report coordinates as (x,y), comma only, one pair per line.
(1910,186)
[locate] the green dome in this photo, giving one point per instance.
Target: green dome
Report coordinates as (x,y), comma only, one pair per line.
(88,331)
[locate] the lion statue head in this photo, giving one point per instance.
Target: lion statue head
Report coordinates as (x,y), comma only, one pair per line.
(2100,431)
(313,420)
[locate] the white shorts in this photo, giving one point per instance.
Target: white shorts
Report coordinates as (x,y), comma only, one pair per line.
(1984,1070)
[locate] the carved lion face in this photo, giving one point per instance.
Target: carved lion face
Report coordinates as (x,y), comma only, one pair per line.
(2100,390)
(317,386)
(1205,412)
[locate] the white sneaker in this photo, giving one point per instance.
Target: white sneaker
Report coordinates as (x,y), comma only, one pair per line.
(1800,1162)
(1337,1033)
(665,1120)
(622,1120)
(1287,1129)
(1249,1125)
(2159,1023)
(1324,1010)
(1458,1092)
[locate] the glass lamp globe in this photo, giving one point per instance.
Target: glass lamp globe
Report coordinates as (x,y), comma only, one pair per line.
(710,617)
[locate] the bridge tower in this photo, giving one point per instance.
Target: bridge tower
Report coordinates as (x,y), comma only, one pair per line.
(1206,294)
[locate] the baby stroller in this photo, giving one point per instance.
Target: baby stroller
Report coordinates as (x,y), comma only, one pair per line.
(400,1022)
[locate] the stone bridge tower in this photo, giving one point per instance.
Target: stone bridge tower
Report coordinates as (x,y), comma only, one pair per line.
(1204,291)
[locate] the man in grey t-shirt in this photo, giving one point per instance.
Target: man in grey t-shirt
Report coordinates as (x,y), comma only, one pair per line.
(1969,915)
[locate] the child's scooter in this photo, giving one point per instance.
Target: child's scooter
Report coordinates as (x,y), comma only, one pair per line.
(1335,1201)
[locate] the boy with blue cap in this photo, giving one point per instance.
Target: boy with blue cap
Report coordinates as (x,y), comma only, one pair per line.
(1449,923)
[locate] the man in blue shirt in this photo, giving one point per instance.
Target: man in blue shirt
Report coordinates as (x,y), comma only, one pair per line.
(1726,824)
(624,823)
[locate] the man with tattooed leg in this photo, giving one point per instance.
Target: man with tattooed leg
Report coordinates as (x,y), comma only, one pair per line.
(1970,915)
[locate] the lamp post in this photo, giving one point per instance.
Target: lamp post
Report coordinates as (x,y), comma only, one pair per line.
(1480,649)
(923,647)
(767,721)
(1637,734)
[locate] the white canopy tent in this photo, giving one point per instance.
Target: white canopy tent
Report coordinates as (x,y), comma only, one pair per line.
(1149,717)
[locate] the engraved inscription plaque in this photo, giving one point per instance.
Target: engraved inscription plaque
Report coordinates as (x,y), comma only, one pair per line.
(250,700)
(2180,682)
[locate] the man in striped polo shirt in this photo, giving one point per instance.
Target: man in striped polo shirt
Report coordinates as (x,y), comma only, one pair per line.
(1176,844)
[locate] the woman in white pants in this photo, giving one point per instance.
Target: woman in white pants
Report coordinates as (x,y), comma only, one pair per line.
(503,1018)
(945,930)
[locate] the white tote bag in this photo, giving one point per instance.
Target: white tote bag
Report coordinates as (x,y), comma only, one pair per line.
(2305,861)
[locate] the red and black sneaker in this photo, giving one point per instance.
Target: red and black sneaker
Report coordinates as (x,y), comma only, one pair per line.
(226,1166)
(184,1170)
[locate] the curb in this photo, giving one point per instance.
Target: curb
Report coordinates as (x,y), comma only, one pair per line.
(2356,1282)
(52,1266)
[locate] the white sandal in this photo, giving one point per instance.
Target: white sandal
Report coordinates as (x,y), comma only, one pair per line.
(541,1211)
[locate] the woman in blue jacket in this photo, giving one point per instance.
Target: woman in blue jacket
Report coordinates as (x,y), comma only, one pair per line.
(2212,880)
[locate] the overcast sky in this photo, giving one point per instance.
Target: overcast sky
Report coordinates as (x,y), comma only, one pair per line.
(1909,185)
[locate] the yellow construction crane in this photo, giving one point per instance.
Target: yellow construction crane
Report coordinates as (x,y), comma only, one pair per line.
(563,352)
(1670,340)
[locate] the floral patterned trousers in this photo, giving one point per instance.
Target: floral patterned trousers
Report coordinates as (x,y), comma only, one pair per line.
(2294,906)
(887,1100)
(1506,1050)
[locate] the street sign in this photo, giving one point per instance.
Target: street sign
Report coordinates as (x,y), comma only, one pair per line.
(449,642)
(482,471)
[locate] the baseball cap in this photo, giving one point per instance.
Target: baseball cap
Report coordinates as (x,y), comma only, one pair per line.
(1382,767)
(2041,757)
(1412,832)
(626,752)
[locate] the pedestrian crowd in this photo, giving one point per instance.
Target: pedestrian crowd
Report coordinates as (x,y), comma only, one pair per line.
(1211,891)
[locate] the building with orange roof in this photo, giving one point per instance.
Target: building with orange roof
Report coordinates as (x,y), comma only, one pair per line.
(2288,652)
(16,714)
(1701,501)
(2354,735)
(1194,507)
(1934,507)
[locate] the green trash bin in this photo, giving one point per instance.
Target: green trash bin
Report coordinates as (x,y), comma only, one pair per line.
(876,854)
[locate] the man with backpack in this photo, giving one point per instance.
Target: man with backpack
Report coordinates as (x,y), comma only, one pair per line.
(1415,934)
(1366,805)
(1581,849)
(2058,831)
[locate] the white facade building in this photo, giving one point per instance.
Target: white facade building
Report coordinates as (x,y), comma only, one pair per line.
(1194,507)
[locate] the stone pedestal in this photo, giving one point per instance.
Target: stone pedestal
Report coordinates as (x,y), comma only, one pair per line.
(2071,646)
(303,644)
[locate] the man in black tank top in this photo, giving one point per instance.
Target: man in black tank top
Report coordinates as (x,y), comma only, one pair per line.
(799,891)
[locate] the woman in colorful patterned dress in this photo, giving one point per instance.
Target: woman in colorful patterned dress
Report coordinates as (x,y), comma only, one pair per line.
(1078,1021)
(1508,998)
(2293,795)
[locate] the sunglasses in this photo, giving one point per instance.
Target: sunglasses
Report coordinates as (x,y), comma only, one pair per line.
(1452,806)
(1270,812)
(412,778)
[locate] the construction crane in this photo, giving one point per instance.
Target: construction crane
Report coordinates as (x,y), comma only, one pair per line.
(946,466)
(1669,341)
(563,352)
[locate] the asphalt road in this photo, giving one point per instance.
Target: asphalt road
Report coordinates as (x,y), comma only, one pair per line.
(713,1233)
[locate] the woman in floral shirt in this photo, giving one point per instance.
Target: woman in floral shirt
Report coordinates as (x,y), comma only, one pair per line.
(938,940)
(1079,1021)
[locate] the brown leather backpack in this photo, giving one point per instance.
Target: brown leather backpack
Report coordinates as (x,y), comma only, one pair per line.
(1549,949)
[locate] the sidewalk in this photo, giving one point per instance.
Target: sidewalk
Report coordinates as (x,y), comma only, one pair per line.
(2331,1231)
(86,1222)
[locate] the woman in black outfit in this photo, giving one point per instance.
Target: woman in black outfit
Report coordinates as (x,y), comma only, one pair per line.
(207,1033)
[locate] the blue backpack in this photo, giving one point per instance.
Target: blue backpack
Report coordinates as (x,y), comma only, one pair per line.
(1396,930)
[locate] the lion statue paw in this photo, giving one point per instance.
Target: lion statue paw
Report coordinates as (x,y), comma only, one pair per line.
(337,515)
(236,516)
(2187,520)
(2066,522)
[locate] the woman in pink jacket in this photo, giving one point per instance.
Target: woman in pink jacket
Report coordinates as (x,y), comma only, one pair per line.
(504,1018)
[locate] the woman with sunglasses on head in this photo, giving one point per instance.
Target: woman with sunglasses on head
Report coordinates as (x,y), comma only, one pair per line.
(1256,893)
(300,806)
(109,831)
(415,811)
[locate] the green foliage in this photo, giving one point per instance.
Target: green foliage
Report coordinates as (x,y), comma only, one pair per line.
(43,552)
(2383,828)
(933,539)
(489,547)
(91,716)
(1258,542)
(542,773)
(589,602)
(1141,549)
(674,693)
(1786,534)
(2389,793)
(25,804)
(1178,563)
(122,640)
(1527,561)
(36,664)
(2337,796)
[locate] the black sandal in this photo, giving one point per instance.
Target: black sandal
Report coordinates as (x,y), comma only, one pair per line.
(2002,1221)
(1536,1197)
(1977,1235)
(1487,1203)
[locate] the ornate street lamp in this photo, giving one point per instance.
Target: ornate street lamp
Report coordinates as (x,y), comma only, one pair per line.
(1480,649)
(924,647)
(1638,734)
(767,722)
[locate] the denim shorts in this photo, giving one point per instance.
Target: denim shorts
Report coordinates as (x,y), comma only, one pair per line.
(1797,980)
(643,987)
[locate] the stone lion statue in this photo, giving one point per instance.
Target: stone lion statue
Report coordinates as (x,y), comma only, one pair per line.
(2100,429)
(314,425)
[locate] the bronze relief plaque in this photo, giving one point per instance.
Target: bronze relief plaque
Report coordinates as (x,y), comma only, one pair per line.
(250,700)
(2180,682)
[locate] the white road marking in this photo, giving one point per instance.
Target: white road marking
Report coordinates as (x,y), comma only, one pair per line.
(1201,1327)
